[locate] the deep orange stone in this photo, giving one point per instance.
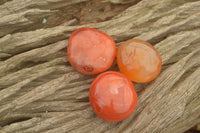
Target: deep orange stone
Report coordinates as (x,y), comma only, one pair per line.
(91,51)
(112,96)
(139,60)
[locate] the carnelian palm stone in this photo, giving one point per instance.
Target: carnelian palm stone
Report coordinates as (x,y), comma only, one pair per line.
(91,51)
(112,96)
(138,60)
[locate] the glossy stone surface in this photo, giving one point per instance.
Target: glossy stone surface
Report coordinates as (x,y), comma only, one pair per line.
(139,60)
(112,96)
(91,51)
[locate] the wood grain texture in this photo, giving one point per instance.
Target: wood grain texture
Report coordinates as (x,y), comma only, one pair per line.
(41,92)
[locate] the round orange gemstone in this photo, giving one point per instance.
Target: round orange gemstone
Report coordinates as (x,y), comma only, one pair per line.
(139,60)
(91,51)
(112,96)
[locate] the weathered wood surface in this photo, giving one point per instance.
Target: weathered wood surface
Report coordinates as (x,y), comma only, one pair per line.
(41,92)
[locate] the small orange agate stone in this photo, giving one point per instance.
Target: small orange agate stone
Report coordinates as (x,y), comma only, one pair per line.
(91,51)
(112,96)
(139,60)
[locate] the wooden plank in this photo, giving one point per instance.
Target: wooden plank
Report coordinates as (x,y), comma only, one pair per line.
(41,92)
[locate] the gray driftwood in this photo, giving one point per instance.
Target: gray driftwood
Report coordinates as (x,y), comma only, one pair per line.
(41,92)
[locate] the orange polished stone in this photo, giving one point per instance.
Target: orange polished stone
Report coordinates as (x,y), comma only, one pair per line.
(139,60)
(112,96)
(91,51)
